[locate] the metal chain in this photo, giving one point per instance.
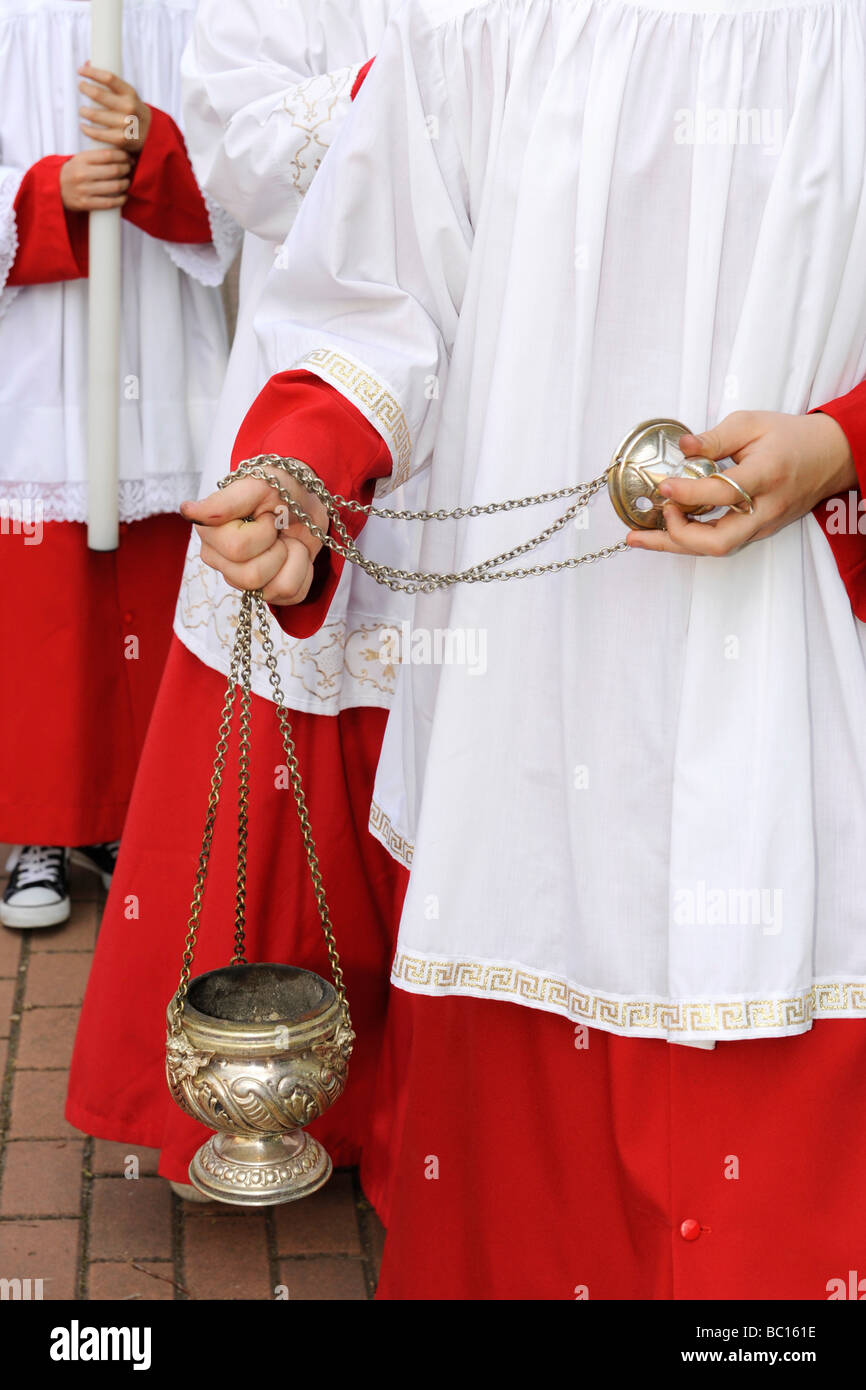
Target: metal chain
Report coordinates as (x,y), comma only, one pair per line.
(240,674)
(407,581)
(244,641)
(411,581)
(194,921)
(301,803)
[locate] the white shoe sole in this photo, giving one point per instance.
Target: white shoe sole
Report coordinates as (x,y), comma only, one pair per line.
(25,918)
(84,863)
(187,1193)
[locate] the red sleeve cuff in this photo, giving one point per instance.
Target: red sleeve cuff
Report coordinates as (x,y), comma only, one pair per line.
(359,80)
(842,518)
(52,243)
(164,198)
(298,415)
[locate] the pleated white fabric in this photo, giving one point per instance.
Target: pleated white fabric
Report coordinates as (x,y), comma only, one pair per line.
(644,806)
(173,336)
(266,90)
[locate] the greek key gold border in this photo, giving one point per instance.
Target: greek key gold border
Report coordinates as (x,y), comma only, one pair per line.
(375,400)
(380,826)
(424,974)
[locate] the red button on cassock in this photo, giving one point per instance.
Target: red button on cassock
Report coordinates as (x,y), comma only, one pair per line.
(128,617)
(691,1229)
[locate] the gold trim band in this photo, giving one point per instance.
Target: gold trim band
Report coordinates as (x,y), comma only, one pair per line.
(380,825)
(374,400)
(649,1017)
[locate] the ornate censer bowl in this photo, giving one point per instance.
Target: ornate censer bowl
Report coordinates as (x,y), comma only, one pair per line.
(262,1051)
(256,1051)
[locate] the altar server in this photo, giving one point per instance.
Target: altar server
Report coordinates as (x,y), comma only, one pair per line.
(266,91)
(642,825)
(85,634)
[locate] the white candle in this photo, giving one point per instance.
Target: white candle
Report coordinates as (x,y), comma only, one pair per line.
(103,393)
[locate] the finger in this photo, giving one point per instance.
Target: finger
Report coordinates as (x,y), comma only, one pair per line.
(99,158)
(243,498)
(296,530)
(98,173)
(106,188)
(106,98)
(102,75)
(293,581)
(103,134)
(94,116)
(690,493)
(684,537)
(100,184)
(240,541)
(716,538)
(725,440)
(101,204)
(251,574)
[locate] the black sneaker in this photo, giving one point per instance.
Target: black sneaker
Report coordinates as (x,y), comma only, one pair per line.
(37,894)
(100,859)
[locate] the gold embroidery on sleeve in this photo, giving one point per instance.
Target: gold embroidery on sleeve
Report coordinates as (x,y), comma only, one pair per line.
(379,404)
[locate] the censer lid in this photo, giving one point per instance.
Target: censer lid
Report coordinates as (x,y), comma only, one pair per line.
(647,457)
(267,993)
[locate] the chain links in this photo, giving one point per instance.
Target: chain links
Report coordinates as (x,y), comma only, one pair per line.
(192,926)
(412,581)
(240,674)
(301,803)
(406,581)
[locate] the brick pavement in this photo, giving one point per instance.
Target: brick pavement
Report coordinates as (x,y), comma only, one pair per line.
(70,1216)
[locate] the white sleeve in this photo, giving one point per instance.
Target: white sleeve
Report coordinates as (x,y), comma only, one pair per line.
(367,291)
(10,181)
(265,88)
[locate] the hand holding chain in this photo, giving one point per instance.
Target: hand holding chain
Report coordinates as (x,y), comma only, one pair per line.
(646,458)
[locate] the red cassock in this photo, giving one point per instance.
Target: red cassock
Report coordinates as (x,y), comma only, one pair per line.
(85,634)
(509,1155)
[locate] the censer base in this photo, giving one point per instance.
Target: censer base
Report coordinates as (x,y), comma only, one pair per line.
(260,1170)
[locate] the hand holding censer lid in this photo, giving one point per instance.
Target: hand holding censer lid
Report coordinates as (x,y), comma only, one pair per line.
(647,457)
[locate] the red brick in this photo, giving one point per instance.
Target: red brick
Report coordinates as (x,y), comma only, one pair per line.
(57,977)
(130,1219)
(38,1099)
(111,1158)
(46,1250)
(10,950)
(324,1279)
(78,934)
(119,1279)
(324,1224)
(43,1178)
(46,1037)
(227,1258)
(7,994)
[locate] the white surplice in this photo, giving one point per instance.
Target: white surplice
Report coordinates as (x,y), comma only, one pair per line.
(645,807)
(266,89)
(174,346)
